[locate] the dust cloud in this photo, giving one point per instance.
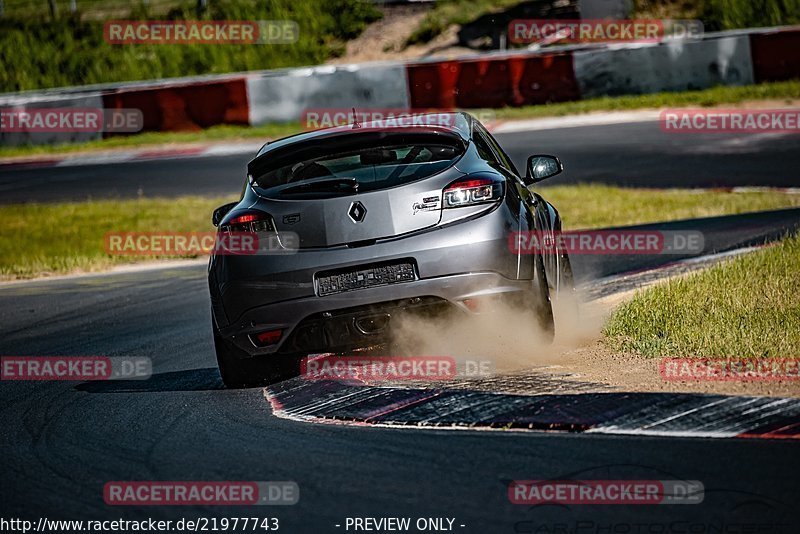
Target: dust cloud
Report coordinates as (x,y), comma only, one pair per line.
(507,336)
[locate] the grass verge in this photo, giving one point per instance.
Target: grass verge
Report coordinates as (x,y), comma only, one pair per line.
(715,14)
(46,239)
(597,206)
(716,96)
(746,307)
(154,140)
(68,49)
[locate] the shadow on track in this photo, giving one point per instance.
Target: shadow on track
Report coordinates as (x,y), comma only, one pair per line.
(188,380)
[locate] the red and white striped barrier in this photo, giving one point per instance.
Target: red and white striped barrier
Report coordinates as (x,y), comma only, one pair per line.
(480,81)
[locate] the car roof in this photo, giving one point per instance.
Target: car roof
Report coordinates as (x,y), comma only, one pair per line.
(455,122)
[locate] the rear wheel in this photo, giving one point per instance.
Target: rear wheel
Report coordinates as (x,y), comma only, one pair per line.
(540,302)
(238,370)
(564,297)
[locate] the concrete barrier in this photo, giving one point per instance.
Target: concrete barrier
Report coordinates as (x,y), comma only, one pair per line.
(673,66)
(186,107)
(433,85)
(481,81)
(485,84)
(776,55)
(510,80)
(547,78)
(20,103)
(283,96)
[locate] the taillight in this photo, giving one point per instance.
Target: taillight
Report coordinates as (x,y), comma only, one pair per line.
(247,221)
(472,190)
(265,339)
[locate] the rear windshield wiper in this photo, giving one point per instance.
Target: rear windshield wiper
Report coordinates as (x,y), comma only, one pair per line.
(323,185)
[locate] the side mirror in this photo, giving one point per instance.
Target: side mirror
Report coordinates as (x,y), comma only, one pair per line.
(221,212)
(542,166)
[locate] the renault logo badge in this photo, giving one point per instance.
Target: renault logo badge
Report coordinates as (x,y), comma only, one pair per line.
(357,212)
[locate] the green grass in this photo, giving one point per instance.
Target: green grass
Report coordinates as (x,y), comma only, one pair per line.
(227,133)
(715,14)
(44,51)
(597,206)
(98,9)
(41,52)
(732,14)
(41,239)
(746,307)
(708,97)
(714,96)
(722,14)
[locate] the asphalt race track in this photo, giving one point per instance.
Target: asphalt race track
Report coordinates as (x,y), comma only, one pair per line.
(637,154)
(64,440)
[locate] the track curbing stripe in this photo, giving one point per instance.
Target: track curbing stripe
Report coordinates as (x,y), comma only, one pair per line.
(616,413)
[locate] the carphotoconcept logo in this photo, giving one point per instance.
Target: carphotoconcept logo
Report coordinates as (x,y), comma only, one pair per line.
(47,120)
(693,121)
(194,493)
(183,32)
(730,369)
(25,368)
(621,242)
(550,31)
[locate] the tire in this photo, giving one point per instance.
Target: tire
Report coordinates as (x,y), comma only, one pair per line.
(540,302)
(238,370)
(563,288)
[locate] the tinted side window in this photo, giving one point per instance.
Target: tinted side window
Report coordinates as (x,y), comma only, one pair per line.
(484,148)
(500,156)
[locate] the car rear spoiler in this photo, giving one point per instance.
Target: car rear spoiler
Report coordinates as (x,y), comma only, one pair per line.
(341,141)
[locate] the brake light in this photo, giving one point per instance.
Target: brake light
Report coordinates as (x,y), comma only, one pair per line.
(247,221)
(244,219)
(265,339)
(470,191)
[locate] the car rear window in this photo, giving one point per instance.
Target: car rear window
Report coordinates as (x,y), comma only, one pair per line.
(365,169)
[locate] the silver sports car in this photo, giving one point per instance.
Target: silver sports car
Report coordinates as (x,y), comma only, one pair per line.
(361,224)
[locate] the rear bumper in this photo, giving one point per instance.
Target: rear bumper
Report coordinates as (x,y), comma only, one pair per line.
(342,321)
(464,260)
